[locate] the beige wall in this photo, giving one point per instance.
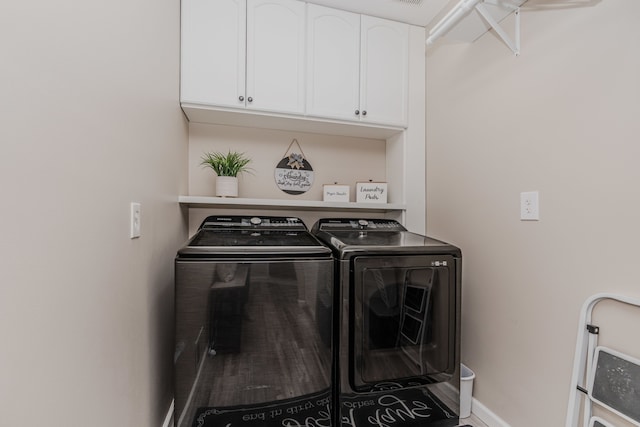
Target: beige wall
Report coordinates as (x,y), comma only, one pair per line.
(562,119)
(345,160)
(340,159)
(90,122)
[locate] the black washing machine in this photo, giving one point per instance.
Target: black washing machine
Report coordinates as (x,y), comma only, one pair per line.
(253,298)
(397,324)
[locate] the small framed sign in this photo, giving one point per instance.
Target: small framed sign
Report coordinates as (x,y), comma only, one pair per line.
(335,193)
(371,192)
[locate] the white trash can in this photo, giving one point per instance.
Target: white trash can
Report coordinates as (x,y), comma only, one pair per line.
(466,390)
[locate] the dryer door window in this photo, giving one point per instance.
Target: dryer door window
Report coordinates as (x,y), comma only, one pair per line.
(402,321)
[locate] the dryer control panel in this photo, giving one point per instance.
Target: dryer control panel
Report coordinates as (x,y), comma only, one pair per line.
(345,224)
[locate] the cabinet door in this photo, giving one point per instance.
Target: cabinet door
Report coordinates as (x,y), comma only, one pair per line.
(213,52)
(333,63)
(384,71)
(275,55)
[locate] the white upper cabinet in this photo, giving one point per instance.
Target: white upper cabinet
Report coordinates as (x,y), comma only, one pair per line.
(296,60)
(244,54)
(384,76)
(357,67)
(213,52)
(275,55)
(333,63)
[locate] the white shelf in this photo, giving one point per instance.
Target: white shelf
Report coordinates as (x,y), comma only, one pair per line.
(226,202)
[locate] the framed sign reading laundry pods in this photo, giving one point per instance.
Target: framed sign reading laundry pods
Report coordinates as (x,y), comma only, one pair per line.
(294,174)
(371,192)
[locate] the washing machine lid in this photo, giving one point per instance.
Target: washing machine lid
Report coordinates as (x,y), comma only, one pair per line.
(251,236)
(375,235)
(259,238)
(380,238)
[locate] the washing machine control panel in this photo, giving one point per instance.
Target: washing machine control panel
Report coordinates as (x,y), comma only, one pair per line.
(234,222)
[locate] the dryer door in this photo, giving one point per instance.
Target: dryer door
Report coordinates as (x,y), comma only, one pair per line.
(402,321)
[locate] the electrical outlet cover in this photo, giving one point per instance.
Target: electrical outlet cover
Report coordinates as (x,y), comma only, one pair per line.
(529,206)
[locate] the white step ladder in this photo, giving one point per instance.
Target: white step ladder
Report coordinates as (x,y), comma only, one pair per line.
(602,375)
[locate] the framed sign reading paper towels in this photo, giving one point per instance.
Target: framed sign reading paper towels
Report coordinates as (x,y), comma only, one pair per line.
(371,192)
(335,193)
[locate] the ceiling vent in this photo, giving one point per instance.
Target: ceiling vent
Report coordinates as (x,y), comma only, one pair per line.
(411,1)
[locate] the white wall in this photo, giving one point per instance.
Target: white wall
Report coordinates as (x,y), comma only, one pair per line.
(562,119)
(90,121)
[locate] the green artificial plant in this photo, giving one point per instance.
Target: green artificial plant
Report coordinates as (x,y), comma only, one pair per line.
(230,164)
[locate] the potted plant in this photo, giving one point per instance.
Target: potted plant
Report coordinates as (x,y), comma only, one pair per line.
(227,167)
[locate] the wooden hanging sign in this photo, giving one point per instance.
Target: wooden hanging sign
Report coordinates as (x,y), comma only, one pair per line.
(294,174)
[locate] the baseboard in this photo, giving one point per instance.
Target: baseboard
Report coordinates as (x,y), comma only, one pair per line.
(167,420)
(486,415)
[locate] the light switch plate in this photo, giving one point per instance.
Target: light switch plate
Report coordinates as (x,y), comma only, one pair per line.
(135,220)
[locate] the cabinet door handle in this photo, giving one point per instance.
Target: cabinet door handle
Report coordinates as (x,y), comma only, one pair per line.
(357,112)
(250,99)
(364,112)
(241,98)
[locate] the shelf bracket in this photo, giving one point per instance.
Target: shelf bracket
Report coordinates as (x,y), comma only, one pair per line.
(514,45)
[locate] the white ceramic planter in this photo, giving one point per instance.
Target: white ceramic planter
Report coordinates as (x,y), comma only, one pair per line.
(227,186)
